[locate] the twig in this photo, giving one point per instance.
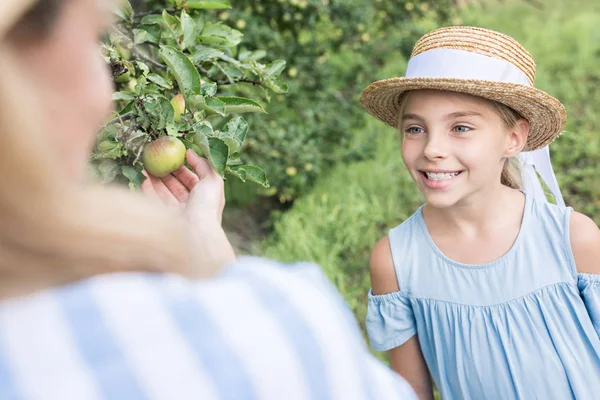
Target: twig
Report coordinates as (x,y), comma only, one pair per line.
(229,81)
(242,80)
(137,156)
(144,57)
(153,12)
(121,118)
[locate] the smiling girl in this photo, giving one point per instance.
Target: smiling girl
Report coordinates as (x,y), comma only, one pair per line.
(492,292)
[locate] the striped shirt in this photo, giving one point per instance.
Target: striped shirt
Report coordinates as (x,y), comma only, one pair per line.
(260,330)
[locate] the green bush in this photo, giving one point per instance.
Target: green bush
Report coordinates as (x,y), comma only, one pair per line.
(337,224)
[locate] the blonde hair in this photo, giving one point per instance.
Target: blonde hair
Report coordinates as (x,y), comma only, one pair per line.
(511,172)
(54,231)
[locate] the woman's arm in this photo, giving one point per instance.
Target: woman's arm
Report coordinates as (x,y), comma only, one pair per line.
(406,359)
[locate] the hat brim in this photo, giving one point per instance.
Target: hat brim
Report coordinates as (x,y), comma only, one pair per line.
(546,115)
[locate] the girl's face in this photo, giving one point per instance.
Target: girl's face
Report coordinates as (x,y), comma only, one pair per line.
(70,79)
(454,145)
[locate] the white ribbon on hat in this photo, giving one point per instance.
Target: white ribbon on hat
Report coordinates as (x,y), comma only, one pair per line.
(538,162)
(461,64)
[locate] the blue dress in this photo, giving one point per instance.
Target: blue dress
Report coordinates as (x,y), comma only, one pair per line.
(525,326)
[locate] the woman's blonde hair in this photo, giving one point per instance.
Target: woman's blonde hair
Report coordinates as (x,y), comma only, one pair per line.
(511,172)
(53,231)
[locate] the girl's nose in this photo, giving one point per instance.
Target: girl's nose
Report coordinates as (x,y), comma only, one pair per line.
(435,148)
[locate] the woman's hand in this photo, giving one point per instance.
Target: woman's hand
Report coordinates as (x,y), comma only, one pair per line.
(200,194)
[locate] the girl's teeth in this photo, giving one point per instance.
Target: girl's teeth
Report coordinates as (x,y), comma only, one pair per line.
(440,176)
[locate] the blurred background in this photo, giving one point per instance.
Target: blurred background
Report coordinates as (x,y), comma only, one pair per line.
(337,180)
(338,183)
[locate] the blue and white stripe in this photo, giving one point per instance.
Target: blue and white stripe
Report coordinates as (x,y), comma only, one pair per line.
(259,332)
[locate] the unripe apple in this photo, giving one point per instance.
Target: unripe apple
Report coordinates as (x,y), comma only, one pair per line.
(163,156)
(178,103)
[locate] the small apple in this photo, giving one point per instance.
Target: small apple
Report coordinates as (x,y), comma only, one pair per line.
(178,103)
(163,156)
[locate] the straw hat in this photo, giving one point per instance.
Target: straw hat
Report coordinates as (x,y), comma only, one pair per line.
(475,61)
(11,11)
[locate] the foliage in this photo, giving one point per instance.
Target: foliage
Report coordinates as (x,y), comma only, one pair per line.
(337,224)
(173,47)
(334,49)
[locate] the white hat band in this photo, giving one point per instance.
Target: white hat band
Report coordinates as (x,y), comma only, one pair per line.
(460,64)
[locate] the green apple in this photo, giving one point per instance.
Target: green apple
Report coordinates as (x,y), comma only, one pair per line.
(163,156)
(178,103)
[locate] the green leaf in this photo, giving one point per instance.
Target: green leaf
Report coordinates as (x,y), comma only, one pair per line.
(234,159)
(134,175)
(231,71)
(108,149)
(109,169)
(205,53)
(241,174)
(208,4)
(183,70)
(277,87)
(128,108)
(202,142)
(275,68)
(152,19)
(231,143)
(142,36)
(235,105)
(124,11)
(256,174)
(108,132)
(215,104)
(167,113)
(219,153)
(188,25)
(125,96)
(171,21)
(220,35)
(160,81)
(252,55)
(204,128)
(237,128)
(209,89)
(135,140)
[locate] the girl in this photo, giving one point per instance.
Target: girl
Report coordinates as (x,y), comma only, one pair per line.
(107,295)
(493,292)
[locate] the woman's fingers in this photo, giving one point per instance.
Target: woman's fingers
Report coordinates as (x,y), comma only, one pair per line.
(163,192)
(200,165)
(148,188)
(186,177)
(177,188)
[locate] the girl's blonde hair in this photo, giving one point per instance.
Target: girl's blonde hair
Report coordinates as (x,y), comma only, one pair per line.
(511,172)
(53,231)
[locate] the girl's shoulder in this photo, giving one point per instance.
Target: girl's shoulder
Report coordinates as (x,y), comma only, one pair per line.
(584,238)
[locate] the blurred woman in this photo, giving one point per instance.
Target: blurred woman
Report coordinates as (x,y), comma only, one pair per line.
(106,294)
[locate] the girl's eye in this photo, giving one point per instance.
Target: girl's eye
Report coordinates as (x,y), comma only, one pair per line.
(461,129)
(413,130)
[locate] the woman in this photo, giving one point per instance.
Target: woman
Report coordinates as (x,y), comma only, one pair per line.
(101,296)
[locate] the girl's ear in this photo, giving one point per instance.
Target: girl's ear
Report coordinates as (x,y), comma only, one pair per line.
(517,138)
